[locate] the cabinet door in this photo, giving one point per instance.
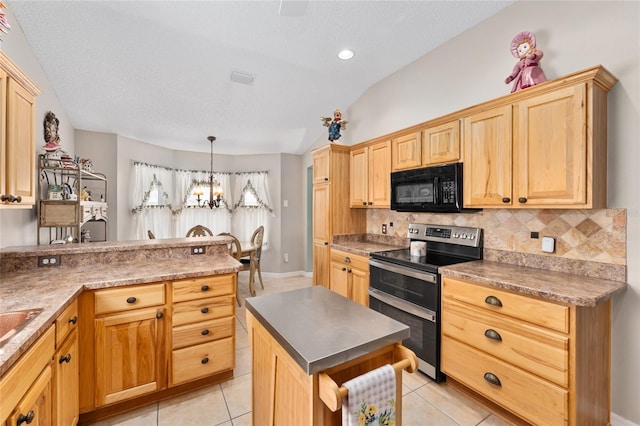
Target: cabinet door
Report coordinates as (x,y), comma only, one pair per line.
(20,145)
(36,408)
(441,144)
(551,154)
(129,355)
(3,133)
(360,286)
(379,175)
(321,213)
(321,163)
(488,158)
(321,264)
(359,193)
(339,281)
(66,382)
(405,152)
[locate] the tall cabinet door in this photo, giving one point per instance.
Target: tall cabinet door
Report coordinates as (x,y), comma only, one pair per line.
(321,233)
(551,152)
(380,175)
(129,354)
(359,193)
(488,158)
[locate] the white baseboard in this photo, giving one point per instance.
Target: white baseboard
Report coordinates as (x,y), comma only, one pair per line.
(617,420)
(286,274)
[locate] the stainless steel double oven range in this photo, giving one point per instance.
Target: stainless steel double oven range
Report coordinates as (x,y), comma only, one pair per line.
(407,288)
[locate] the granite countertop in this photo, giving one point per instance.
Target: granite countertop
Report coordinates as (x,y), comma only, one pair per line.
(365,244)
(53,289)
(570,289)
(328,330)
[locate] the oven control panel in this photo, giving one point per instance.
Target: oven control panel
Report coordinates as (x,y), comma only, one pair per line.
(461,235)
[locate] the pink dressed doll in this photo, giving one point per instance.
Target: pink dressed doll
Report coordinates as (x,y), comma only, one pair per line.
(527,72)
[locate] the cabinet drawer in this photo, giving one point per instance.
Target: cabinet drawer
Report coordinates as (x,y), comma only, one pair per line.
(201,310)
(66,322)
(540,312)
(350,259)
(202,332)
(535,349)
(130,297)
(532,398)
(198,288)
(203,360)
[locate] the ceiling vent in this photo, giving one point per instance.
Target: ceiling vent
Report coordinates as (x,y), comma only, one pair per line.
(242,77)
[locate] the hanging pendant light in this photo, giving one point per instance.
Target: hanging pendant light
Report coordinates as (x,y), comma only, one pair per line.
(216,193)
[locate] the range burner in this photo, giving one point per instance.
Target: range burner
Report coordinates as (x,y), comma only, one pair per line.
(428,263)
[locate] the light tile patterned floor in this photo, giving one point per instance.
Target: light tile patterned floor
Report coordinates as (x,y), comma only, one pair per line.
(229,404)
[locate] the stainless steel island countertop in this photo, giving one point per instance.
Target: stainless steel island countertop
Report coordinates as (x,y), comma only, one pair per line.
(321,329)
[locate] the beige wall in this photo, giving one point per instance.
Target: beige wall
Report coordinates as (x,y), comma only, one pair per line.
(471,69)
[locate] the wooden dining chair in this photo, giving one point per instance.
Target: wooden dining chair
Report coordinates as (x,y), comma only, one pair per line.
(256,241)
(199,231)
(235,250)
(151,235)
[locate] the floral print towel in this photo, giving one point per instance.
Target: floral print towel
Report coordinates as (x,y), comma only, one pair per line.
(371,399)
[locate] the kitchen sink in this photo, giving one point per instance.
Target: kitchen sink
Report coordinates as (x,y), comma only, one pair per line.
(12,322)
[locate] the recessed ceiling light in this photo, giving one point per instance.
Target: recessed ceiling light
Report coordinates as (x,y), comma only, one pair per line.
(346,54)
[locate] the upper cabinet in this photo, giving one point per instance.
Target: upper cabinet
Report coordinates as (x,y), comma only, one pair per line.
(543,147)
(441,144)
(17,136)
(406,152)
(321,166)
(371,176)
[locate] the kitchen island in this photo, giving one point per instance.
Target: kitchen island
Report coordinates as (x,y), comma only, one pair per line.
(299,336)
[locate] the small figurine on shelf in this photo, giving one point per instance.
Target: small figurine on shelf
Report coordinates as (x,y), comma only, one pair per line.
(85,194)
(51,137)
(335,125)
(527,71)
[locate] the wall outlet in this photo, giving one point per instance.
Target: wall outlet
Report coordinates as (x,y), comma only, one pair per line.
(53,260)
(548,244)
(197,250)
(384,228)
(286,257)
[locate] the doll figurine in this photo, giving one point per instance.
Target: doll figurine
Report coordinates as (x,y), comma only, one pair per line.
(527,72)
(334,125)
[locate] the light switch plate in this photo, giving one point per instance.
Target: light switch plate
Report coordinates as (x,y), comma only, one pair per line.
(548,244)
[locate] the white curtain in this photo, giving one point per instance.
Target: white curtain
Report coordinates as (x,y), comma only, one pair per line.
(155,217)
(246,219)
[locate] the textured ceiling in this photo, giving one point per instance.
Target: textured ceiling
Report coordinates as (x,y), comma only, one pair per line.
(160,72)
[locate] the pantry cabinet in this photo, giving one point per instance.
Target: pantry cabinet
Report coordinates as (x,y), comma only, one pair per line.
(545,362)
(371,176)
(350,276)
(17,136)
(331,210)
(543,147)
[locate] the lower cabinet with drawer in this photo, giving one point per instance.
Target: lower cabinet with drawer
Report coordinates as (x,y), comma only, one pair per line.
(203,327)
(544,362)
(350,276)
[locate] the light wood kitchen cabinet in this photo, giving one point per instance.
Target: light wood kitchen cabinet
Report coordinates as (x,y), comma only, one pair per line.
(17,136)
(129,342)
(26,388)
(441,144)
(371,176)
(331,211)
(203,327)
(350,276)
(546,148)
(66,368)
(544,362)
(406,152)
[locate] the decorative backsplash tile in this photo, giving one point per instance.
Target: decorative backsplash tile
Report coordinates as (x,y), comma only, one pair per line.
(590,235)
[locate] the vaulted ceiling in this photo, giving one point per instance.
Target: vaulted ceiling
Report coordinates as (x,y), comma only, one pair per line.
(160,71)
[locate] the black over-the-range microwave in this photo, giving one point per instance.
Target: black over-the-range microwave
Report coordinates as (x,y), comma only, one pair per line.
(436,189)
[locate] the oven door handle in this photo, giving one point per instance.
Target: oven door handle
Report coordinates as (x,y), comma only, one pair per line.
(431,278)
(403,305)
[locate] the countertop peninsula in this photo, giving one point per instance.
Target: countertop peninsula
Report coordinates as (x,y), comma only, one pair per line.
(320,329)
(92,266)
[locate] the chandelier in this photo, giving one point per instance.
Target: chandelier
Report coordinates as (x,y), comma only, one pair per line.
(215,189)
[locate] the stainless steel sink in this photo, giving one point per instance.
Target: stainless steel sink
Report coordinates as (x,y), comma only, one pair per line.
(12,322)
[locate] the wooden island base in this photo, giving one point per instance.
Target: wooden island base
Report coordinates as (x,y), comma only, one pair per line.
(282,393)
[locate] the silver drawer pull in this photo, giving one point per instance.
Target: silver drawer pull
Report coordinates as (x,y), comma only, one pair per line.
(492,378)
(493,301)
(493,335)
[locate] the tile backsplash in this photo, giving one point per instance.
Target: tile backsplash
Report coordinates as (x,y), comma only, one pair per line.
(588,235)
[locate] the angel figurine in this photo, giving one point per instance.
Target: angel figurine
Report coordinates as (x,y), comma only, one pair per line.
(334,124)
(527,71)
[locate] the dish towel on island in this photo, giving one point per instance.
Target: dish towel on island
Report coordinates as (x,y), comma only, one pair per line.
(371,398)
